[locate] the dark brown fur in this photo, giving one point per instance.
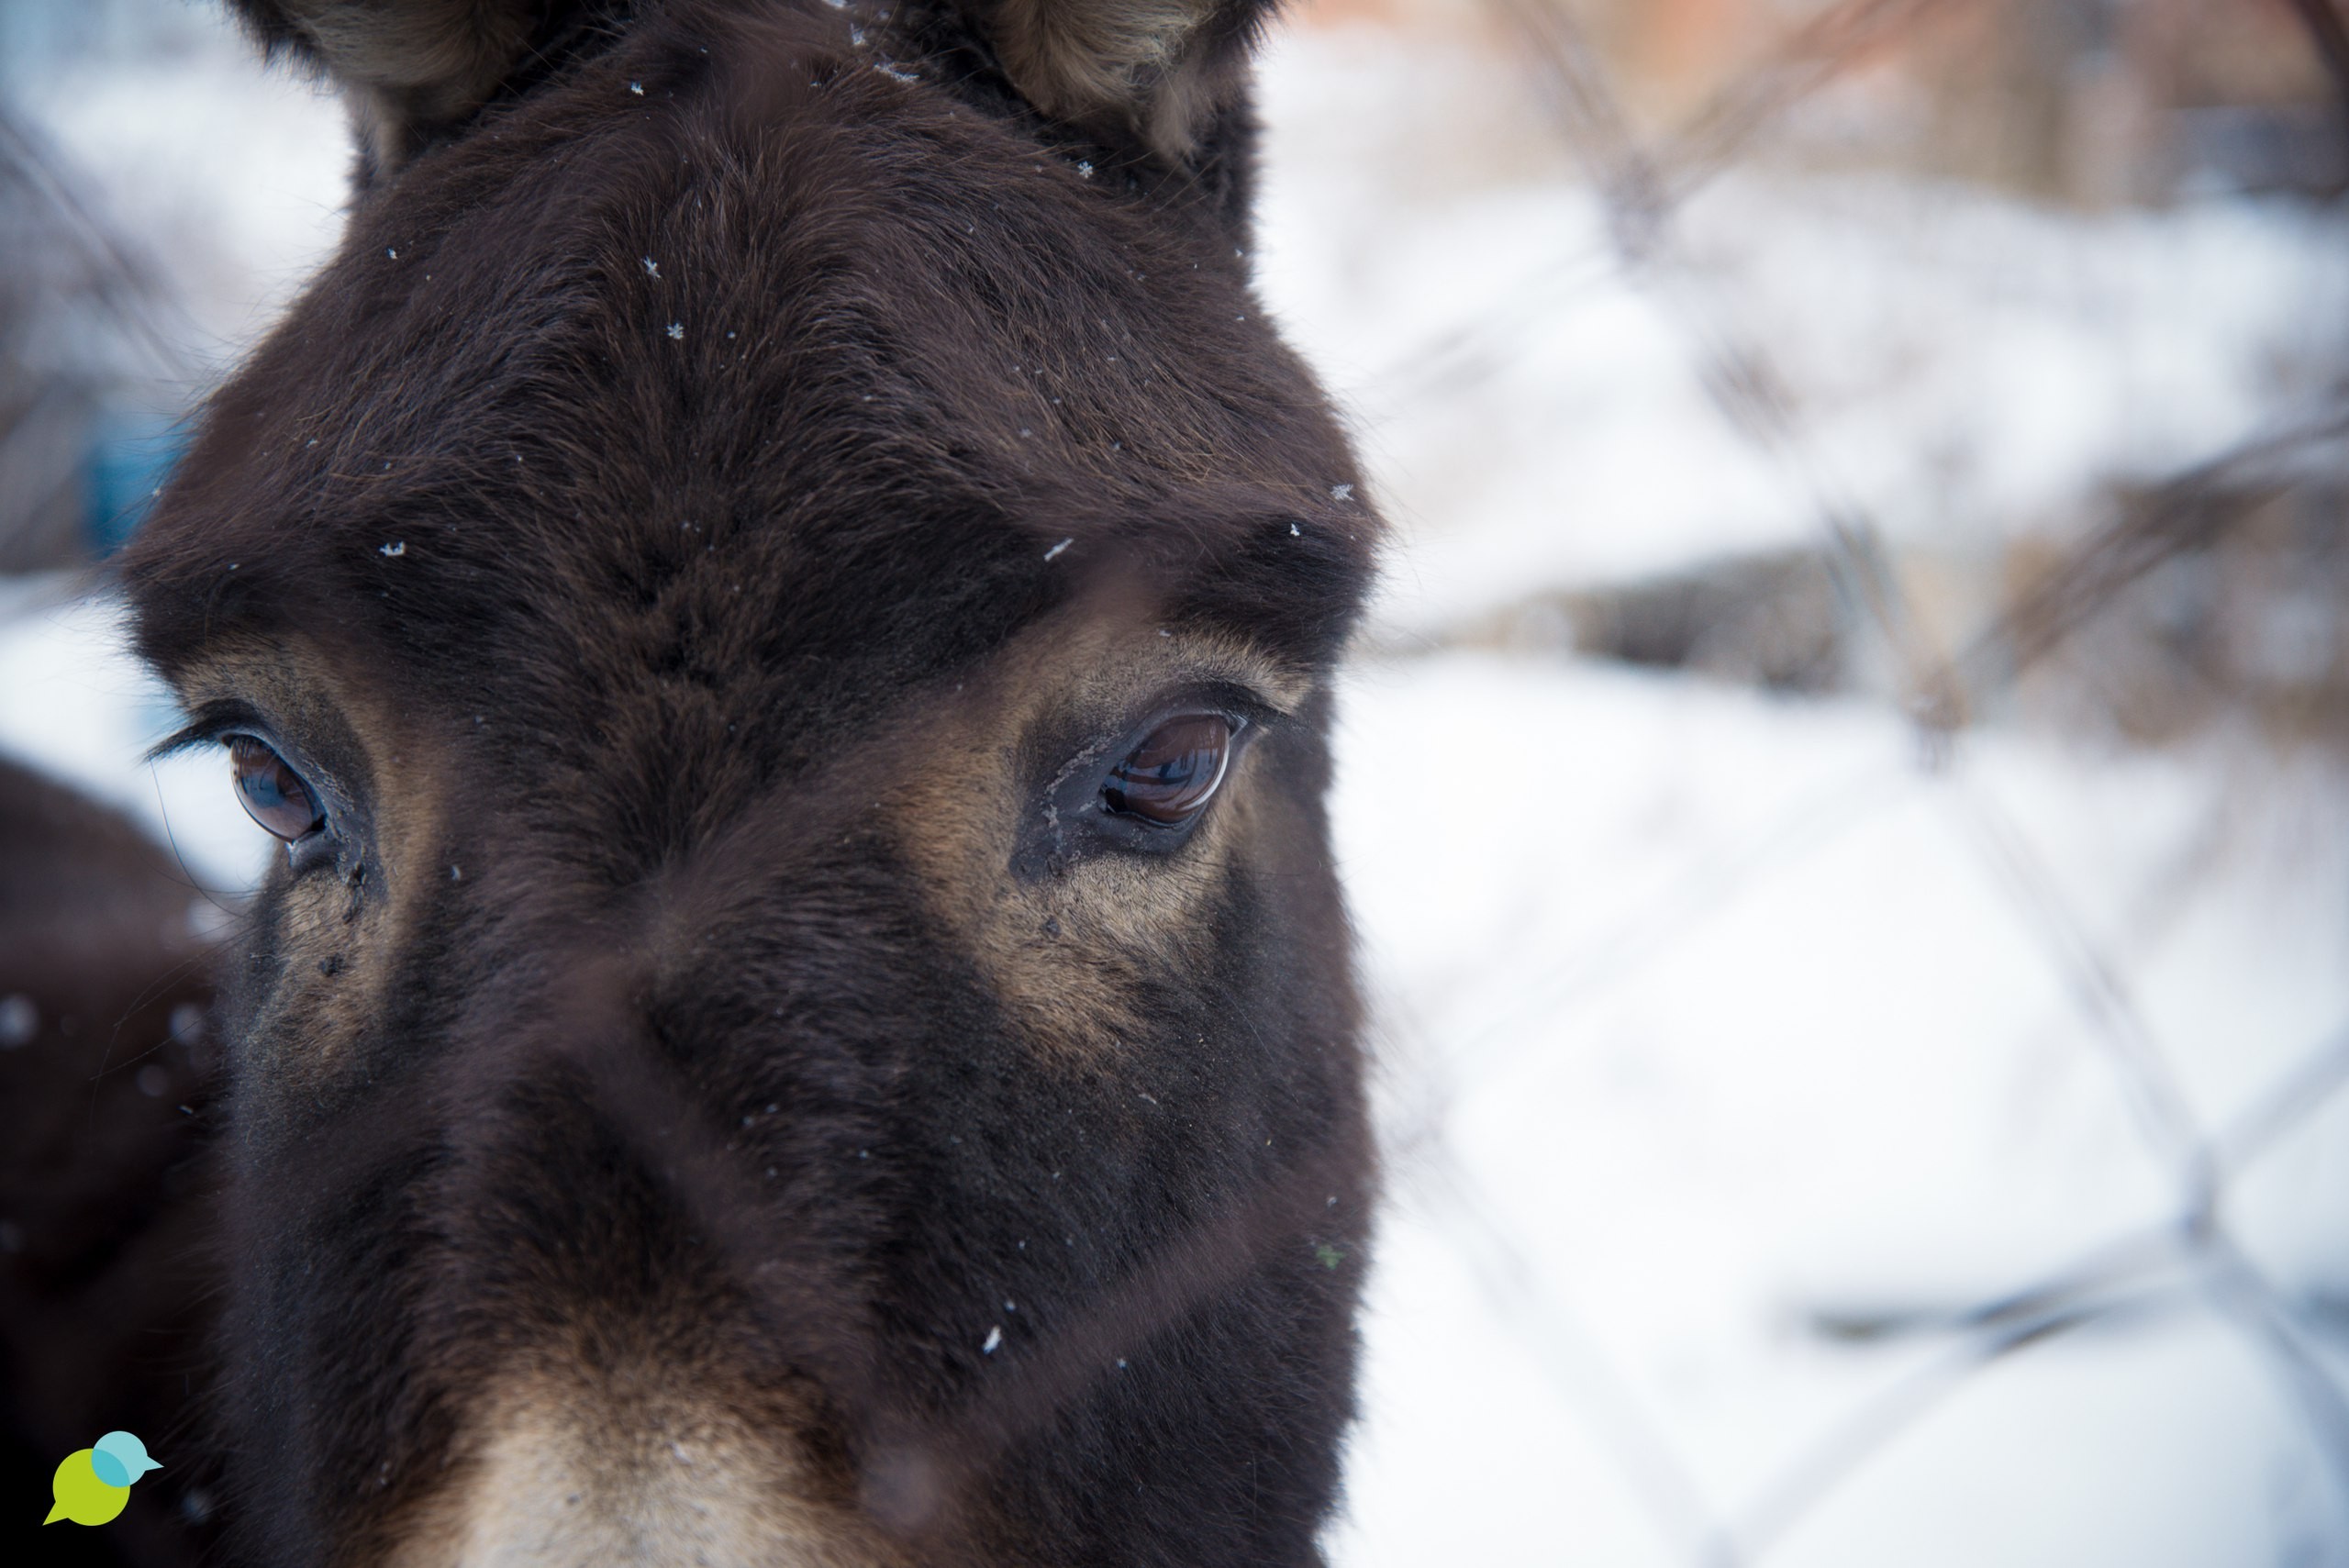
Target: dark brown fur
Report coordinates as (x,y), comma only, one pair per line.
(106,1220)
(720,492)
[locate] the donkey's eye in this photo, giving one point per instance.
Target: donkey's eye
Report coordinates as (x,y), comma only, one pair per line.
(1169,778)
(273,794)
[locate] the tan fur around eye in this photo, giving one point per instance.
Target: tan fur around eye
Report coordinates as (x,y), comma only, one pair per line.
(337,938)
(1071,954)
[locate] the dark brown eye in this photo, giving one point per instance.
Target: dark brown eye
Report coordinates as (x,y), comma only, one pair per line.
(1170,776)
(272,793)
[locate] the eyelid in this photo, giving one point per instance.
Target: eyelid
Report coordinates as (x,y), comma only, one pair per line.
(220,723)
(211,725)
(1243,706)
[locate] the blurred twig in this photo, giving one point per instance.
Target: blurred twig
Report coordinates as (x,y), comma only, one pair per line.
(1814,55)
(2329,35)
(129,287)
(2187,511)
(1738,370)
(82,332)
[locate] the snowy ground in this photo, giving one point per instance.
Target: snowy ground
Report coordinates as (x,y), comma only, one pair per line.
(1703,1017)
(1707,1015)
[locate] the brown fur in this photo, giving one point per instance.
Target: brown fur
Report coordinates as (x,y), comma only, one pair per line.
(105,1226)
(1066,952)
(1163,68)
(413,73)
(705,539)
(416,72)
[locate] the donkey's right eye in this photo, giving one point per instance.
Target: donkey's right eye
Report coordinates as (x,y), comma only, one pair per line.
(1169,778)
(272,793)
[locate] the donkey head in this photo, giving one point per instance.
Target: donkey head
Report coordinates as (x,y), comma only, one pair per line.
(780,594)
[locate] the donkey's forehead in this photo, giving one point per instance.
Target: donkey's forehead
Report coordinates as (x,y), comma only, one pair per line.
(742,330)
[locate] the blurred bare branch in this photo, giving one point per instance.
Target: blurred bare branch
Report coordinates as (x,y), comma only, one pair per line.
(2190,510)
(2329,36)
(87,325)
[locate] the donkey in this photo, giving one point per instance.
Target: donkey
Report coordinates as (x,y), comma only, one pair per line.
(780,594)
(106,1215)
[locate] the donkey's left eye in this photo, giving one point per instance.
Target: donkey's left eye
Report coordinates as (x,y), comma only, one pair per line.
(272,793)
(1170,777)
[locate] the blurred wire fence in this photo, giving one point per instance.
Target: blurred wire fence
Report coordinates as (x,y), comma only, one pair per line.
(1852,611)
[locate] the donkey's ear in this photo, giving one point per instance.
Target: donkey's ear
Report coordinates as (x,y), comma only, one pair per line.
(1156,69)
(412,69)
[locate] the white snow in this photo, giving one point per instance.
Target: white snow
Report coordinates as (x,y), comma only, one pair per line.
(1703,1013)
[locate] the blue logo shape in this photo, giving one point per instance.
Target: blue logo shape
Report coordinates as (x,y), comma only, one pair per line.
(130,458)
(119,1458)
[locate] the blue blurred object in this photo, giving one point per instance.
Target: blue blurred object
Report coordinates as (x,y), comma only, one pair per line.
(130,458)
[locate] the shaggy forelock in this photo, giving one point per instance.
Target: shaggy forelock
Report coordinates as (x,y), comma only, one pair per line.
(778,353)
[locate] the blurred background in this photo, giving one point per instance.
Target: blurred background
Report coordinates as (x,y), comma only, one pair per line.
(1842,791)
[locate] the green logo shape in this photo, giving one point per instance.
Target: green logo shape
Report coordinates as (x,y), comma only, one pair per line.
(93,1484)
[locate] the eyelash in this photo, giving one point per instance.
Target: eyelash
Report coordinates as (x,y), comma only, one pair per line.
(226,726)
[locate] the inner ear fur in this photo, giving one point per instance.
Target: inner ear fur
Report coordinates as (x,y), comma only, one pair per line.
(411,70)
(1156,69)
(414,71)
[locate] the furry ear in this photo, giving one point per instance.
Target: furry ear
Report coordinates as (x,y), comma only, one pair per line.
(412,69)
(416,70)
(1157,69)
